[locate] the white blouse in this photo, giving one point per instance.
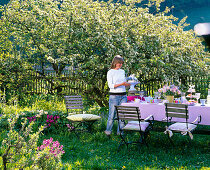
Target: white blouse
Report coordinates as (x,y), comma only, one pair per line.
(116,77)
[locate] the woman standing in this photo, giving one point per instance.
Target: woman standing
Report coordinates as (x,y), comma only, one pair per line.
(117,94)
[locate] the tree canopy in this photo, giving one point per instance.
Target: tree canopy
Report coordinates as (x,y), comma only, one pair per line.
(88,34)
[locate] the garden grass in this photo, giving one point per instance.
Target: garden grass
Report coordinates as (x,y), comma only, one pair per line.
(97,151)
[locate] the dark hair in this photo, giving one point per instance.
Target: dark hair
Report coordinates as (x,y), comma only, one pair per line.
(117,59)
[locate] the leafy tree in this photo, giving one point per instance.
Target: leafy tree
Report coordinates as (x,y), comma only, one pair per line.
(87,34)
(14,75)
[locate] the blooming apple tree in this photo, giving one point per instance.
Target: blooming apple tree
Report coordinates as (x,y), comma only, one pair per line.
(87,34)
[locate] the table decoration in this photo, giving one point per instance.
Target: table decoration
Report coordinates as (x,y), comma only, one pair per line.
(148,99)
(191,102)
(136,100)
(191,92)
(170,98)
(169,91)
(191,89)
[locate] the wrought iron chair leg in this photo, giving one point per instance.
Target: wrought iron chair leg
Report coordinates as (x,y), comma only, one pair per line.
(74,129)
(144,136)
(134,123)
(170,140)
(88,126)
(123,141)
(189,141)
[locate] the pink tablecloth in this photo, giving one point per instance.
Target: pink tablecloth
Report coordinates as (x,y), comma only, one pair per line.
(158,111)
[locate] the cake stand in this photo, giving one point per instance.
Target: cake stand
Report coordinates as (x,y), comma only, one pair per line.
(132,86)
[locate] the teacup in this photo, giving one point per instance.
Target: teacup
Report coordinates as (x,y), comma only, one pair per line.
(155,100)
(202,102)
(148,99)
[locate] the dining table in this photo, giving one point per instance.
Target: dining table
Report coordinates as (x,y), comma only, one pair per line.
(158,111)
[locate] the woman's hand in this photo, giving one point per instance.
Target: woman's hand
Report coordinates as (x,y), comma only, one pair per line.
(126,84)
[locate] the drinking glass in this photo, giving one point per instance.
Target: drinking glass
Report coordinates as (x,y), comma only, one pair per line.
(197,96)
(202,102)
(141,94)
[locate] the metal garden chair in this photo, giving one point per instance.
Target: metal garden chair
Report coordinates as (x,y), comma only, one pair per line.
(177,117)
(78,120)
(131,117)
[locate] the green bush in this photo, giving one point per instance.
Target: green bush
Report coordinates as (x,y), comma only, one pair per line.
(53,121)
(19,149)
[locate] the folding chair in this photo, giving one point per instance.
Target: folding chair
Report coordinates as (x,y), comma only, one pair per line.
(131,117)
(177,120)
(78,120)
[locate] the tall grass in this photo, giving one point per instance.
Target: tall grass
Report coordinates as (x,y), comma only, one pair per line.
(96,151)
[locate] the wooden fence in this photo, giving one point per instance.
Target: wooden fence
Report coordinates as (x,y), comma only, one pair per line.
(37,84)
(69,85)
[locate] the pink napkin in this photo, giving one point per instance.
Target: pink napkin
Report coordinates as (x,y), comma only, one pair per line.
(132,98)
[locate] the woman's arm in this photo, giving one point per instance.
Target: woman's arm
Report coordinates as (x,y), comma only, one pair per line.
(122,84)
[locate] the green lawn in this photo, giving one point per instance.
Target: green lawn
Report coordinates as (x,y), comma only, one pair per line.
(96,151)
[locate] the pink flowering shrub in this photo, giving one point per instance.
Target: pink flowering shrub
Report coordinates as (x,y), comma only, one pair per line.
(70,128)
(52,119)
(52,122)
(54,147)
(19,148)
(31,119)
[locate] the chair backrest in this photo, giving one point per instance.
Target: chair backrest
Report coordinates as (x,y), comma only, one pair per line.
(176,111)
(74,103)
(129,113)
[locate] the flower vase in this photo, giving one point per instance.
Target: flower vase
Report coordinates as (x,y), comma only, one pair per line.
(170,99)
